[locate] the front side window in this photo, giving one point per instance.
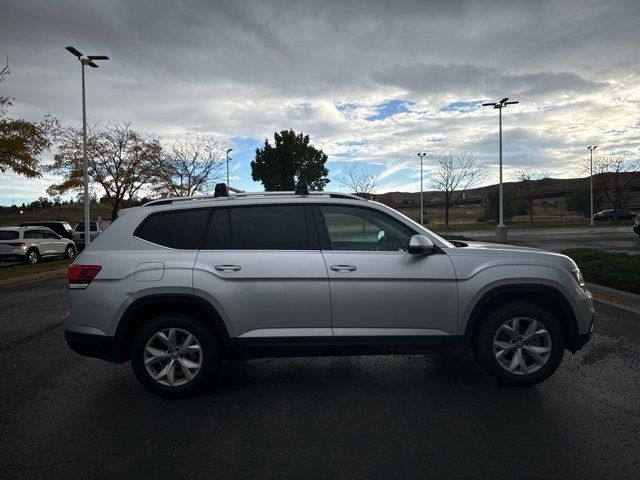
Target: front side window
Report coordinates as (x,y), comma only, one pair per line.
(180,229)
(277,227)
(93,227)
(49,235)
(364,229)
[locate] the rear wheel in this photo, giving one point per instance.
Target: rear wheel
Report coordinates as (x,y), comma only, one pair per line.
(32,257)
(519,343)
(174,355)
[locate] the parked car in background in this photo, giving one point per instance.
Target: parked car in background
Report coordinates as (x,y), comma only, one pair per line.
(96,227)
(61,228)
(613,214)
(636,224)
(182,283)
(30,244)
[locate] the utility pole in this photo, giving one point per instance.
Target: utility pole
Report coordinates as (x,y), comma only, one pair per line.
(501,229)
(421,155)
(228,165)
(591,148)
(89,60)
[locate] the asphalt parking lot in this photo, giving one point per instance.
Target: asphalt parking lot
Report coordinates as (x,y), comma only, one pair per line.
(618,238)
(66,416)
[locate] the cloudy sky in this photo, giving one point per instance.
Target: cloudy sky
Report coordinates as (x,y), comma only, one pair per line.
(372,82)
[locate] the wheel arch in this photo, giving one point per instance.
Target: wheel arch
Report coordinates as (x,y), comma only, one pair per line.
(145,308)
(546,296)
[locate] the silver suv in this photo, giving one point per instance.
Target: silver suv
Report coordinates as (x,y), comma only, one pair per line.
(178,284)
(30,244)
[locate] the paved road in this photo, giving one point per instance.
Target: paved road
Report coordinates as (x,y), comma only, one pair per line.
(65,416)
(615,239)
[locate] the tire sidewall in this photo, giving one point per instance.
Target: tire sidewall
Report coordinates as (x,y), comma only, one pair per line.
(206,339)
(483,342)
(68,249)
(26,257)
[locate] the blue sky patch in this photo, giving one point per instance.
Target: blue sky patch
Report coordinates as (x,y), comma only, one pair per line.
(462,106)
(389,109)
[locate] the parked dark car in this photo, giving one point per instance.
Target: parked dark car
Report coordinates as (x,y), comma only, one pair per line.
(61,228)
(613,214)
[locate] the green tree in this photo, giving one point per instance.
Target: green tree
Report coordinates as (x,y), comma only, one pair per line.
(22,142)
(121,161)
(289,160)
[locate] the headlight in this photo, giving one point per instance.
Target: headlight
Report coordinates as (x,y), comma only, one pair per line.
(577,274)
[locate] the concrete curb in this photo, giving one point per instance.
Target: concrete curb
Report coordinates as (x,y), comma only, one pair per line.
(615,298)
(36,277)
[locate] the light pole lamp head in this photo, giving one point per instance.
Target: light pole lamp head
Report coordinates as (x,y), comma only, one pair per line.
(74,51)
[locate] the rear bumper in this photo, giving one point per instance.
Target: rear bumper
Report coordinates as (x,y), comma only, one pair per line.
(95,346)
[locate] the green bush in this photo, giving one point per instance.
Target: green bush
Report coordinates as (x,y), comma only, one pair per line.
(615,270)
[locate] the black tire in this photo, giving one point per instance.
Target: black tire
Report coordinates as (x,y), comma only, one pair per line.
(32,257)
(205,338)
(70,251)
(483,342)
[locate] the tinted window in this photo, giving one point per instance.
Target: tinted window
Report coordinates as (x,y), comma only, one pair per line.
(34,234)
(181,229)
(93,227)
(49,234)
(282,227)
(353,228)
(8,235)
(219,234)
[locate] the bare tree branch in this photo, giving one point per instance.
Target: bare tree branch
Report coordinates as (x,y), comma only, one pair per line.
(614,177)
(455,173)
(357,179)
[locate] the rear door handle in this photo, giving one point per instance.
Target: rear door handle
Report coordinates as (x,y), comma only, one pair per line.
(227,268)
(343,268)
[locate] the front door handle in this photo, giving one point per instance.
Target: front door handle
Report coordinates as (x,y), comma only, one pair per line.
(227,268)
(343,268)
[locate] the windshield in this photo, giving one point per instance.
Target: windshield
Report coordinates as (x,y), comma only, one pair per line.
(92,226)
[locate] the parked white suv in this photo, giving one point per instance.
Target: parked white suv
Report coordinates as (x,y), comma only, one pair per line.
(30,244)
(178,284)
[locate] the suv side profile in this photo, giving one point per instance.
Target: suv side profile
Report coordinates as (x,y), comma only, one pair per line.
(182,283)
(61,228)
(30,244)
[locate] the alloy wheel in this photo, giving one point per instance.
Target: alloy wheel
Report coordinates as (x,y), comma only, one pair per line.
(173,357)
(522,345)
(32,258)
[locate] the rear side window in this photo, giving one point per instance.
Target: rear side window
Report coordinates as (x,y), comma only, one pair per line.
(8,235)
(181,229)
(281,227)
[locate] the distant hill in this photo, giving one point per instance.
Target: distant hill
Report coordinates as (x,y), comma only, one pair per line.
(546,188)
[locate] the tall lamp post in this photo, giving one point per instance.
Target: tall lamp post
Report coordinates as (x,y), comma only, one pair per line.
(501,230)
(88,60)
(228,165)
(591,148)
(421,155)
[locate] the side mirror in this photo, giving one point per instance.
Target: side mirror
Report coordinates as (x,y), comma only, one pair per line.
(420,245)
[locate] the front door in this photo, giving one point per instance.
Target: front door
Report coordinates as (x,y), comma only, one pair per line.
(377,288)
(261,266)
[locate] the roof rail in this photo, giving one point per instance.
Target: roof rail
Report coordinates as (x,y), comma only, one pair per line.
(234,193)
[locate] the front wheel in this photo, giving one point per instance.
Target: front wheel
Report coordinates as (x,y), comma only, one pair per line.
(519,343)
(174,355)
(70,252)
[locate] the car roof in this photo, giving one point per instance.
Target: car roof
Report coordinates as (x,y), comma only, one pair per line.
(34,227)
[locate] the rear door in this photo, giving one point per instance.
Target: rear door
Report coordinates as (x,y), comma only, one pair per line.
(377,287)
(261,266)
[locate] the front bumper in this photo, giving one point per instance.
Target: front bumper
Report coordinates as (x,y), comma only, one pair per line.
(95,346)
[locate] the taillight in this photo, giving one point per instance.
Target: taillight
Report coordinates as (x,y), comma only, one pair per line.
(18,244)
(80,276)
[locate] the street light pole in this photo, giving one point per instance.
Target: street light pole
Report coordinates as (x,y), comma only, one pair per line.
(89,60)
(591,148)
(228,165)
(501,230)
(421,155)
